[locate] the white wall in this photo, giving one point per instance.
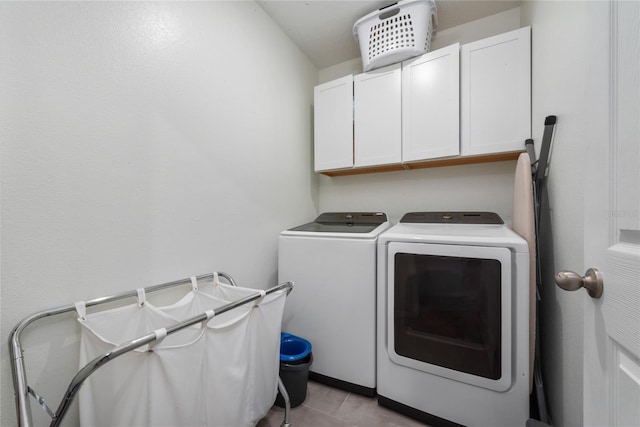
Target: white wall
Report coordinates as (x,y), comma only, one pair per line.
(141,143)
(476,30)
(559,82)
(472,187)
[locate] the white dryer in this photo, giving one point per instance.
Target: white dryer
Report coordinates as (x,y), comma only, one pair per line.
(332,263)
(453,319)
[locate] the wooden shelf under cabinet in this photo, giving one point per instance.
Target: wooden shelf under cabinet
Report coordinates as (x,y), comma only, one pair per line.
(452,161)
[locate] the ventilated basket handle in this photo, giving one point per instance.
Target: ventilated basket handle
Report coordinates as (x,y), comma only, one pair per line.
(390,13)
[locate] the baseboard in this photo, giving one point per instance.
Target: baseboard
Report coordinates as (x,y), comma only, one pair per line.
(432,420)
(343,385)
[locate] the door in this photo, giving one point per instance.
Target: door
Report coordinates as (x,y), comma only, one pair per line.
(450,313)
(612,216)
(495,93)
(333,124)
(378,117)
(431,105)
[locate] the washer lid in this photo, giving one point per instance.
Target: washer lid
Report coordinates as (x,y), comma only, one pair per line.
(344,222)
(452,218)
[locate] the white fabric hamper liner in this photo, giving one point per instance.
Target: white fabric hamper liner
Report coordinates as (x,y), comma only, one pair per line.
(221,374)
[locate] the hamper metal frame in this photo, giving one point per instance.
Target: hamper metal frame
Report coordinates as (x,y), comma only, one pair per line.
(22,390)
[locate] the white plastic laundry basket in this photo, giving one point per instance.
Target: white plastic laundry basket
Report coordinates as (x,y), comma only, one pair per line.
(395,33)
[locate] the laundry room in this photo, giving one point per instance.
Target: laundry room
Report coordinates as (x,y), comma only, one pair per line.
(145,142)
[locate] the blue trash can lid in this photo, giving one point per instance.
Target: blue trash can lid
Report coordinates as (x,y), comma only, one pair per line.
(293,348)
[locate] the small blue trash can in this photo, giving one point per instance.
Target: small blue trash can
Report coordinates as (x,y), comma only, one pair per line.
(295,359)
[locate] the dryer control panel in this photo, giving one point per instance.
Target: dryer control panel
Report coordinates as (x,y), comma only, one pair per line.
(452,218)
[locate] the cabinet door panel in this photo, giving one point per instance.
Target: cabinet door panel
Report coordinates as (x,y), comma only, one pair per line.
(430,104)
(378,119)
(496,93)
(333,127)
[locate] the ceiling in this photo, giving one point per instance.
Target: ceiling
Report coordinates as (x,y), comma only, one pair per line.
(322,29)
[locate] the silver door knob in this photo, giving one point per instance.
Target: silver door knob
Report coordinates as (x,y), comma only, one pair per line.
(592,282)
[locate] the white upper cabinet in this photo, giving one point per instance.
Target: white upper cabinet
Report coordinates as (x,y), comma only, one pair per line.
(431,105)
(496,93)
(460,103)
(333,130)
(378,117)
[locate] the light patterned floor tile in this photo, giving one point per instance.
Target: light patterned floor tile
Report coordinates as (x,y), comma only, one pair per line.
(331,407)
(360,411)
(323,398)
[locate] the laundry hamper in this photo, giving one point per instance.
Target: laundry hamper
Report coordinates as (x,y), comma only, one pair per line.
(396,32)
(220,373)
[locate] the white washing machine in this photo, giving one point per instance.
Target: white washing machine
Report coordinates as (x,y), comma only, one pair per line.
(453,319)
(332,263)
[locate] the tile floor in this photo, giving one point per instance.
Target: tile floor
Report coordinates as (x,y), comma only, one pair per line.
(330,407)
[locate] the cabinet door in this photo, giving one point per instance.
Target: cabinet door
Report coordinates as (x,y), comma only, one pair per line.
(333,124)
(377,112)
(430,105)
(496,93)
